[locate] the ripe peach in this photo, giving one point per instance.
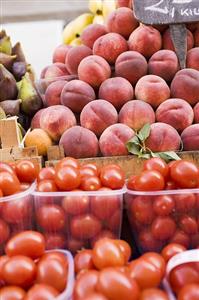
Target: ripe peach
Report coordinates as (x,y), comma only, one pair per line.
(193,26)
(163,137)
(114,138)
(175,112)
(124,3)
(91,33)
(76,94)
(59,54)
(56,119)
(136,114)
(196,38)
(193,58)
(122,21)
(168,43)
(146,40)
(79,142)
(35,123)
(55,70)
(152,89)
(185,85)
(131,65)
(117,91)
(196,113)
(190,138)
(110,46)
(53,92)
(94,70)
(164,63)
(98,115)
(75,56)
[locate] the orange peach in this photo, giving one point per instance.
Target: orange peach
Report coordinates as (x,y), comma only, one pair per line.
(91,33)
(168,43)
(35,123)
(75,56)
(190,138)
(59,54)
(193,58)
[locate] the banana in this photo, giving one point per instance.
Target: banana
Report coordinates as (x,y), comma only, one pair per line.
(108,7)
(96,6)
(75,27)
(76,42)
(98,19)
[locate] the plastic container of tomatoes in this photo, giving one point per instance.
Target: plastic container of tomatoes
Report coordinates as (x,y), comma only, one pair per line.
(16,214)
(163,217)
(75,220)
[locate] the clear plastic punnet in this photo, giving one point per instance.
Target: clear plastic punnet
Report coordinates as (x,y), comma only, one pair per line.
(163,217)
(75,220)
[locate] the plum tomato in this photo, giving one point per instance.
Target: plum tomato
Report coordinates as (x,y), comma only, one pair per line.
(56,255)
(171,250)
(85,284)
(148,242)
(84,260)
(41,291)
(76,205)
(9,183)
(170,185)
(112,176)
(93,167)
(17,211)
(149,181)
(12,292)
(3,260)
(184,202)
(185,174)
(115,222)
(188,224)
(28,243)
(26,171)
(68,161)
(116,285)
(86,171)
(90,183)
(189,292)
(1,193)
(125,248)
(24,186)
(75,245)
(180,237)
(4,231)
(163,205)
(131,182)
(157,260)
(55,241)
(163,228)
(103,234)
(47,173)
(106,253)
(153,294)
(67,178)
(95,296)
(47,186)
(142,209)
(157,164)
(4,167)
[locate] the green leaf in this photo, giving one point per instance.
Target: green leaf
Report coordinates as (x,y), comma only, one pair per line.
(169,155)
(144,155)
(133,148)
(144,132)
(134,140)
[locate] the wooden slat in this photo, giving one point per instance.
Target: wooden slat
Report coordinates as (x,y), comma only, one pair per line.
(55,153)
(9,134)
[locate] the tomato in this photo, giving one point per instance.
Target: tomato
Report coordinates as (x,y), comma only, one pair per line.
(76,205)
(188,224)
(112,176)
(85,284)
(9,184)
(86,171)
(194,240)
(156,164)
(170,185)
(12,292)
(17,211)
(103,234)
(115,222)
(4,167)
(171,250)
(28,243)
(153,294)
(57,256)
(19,270)
(55,241)
(41,291)
(84,261)
(125,248)
(182,275)
(85,226)
(142,209)
(149,181)
(51,217)
(47,173)
(148,242)
(185,174)
(3,260)
(180,238)
(4,231)
(116,285)
(93,167)
(106,253)
(189,292)
(74,245)
(26,170)
(90,183)
(157,260)
(68,161)
(24,186)
(1,193)
(184,202)
(163,228)
(131,182)
(145,273)
(163,205)
(67,178)
(95,296)
(47,185)
(52,272)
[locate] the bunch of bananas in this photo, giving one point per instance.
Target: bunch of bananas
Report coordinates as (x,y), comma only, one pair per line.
(99,11)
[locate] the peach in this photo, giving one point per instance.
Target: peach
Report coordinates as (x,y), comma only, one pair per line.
(98,115)
(185,85)
(117,91)
(114,138)
(94,70)
(124,3)
(55,70)
(152,89)
(196,113)
(79,142)
(168,43)
(75,56)
(59,54)
(193,58)
(56,119)
(35,123)
(175,112)
(196,38)
(122,21)
(76,94)
(53,92)
(163,137)
(131,65)
(110,46)
(193,26)
(190,138)
(145,40)
(161,28)
(91,33)
(136,114)
(164,63)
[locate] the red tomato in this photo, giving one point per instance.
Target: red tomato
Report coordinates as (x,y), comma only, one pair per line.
(189,292)
(1,193)
(163,205)
(51,217)
(194,240)
(68,161)
(103,234)
(76,205)
(156,164)
(106,253)
(83,260)
(131,182)
(3,260)
(85,226)
(27,243)
(26,171)
(86,171)
(163,228)
(184,202)
(115,222)
(149,181)
(157,260)
(85,284)
(24,186)
(90,183)
(41,291)
(9,183)
(95,296)
(17,211)
(19,270)
(125,248)
(153,294)
(74,245)
(47,173)
(181,238)
(4,232)
(93,167)
(148,242)
(112,176)
(67,178)
(4,167)
(171,250)
(188,224)
(12,292)
(185,174)
(142,209)
(55,241)
(47,185)
(116,285)
(170,185)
